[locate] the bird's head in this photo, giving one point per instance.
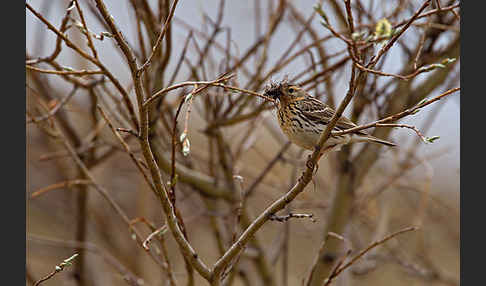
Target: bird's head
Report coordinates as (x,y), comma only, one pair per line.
(284,91)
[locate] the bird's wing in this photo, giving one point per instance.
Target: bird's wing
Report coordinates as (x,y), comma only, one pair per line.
(318,111)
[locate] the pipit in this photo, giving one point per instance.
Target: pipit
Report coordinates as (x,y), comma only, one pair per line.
(303,118)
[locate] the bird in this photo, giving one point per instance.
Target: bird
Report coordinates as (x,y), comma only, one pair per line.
(303,118)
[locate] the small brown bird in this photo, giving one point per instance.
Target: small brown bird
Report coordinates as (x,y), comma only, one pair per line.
(303,118)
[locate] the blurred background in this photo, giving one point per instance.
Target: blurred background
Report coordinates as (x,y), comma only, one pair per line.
(416,184)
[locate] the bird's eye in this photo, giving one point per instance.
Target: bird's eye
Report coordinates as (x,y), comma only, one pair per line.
(291,90)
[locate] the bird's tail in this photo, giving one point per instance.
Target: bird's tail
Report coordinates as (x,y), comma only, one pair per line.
(369,138)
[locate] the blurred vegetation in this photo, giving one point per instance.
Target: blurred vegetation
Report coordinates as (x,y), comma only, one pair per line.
(219,157)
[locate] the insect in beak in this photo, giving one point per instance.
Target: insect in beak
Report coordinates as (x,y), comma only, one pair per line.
(273,91)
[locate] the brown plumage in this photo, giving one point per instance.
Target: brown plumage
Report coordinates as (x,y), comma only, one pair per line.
(303,118)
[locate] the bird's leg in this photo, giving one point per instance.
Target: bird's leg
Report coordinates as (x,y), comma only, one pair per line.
(326,150)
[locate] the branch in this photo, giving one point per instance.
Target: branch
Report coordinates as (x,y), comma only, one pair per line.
(65,72)
(159,231)
(417,71)
(340,269)
(160,189)
(65,184)
(395,37)
(279,204)
(95,61)
(431,12)
(54,110)
(216,82)
(58,268)
(159,40)
(88,35)
(129,277)
(415,129)
(137,162)
(397,116)
(290,195)
(288,216)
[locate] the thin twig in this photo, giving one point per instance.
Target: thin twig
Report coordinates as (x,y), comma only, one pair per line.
(159,39)
(58,268)
(288,216)
(159,231)
(95,61)
(397,35)
(88,35)
(429,13)
(216,82)
(364,251)
(65,72)
(402,77)
(129,131)
(415,129)
(124,272)
(65,184)
(137,162)
(265,171)
(54,110)
(398,115)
